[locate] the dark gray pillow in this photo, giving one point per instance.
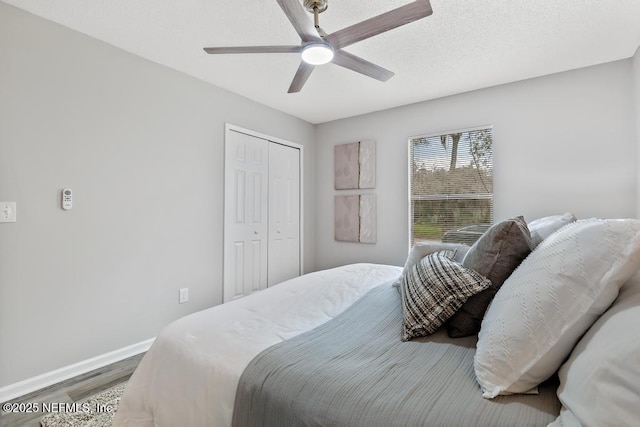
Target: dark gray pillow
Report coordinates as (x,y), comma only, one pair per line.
(495,255)
(433,290)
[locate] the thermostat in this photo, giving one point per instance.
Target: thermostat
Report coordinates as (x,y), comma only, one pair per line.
(67,199)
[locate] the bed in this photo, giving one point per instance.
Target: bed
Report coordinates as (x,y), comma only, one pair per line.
(324,349)
(190,375)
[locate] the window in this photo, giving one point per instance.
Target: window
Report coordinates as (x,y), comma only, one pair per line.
(451,185)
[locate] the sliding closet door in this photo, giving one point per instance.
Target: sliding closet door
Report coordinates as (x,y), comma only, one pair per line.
(284,213)
(245,215)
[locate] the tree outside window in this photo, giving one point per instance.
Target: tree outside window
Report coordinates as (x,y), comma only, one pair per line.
(451,185)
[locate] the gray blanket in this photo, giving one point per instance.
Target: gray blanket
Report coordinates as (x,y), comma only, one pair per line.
(355,371)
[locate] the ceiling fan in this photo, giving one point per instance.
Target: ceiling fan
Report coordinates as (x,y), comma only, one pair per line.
(319,48)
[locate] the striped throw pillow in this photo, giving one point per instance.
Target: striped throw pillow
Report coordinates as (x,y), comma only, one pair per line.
(434,289)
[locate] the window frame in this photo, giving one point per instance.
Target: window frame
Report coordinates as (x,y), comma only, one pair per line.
(410,159)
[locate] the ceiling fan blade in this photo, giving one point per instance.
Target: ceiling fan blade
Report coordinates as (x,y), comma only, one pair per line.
(359,65)
(379,24)
(253,49)
(299,18)
(303,73)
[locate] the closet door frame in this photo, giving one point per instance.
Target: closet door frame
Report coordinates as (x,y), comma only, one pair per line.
(228,127)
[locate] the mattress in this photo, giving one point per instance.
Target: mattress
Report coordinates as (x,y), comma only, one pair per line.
(190,374)
(355,371)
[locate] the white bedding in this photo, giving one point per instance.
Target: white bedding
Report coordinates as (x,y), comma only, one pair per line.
(190,375)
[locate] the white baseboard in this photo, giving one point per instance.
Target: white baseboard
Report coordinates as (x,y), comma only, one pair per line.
(49,378)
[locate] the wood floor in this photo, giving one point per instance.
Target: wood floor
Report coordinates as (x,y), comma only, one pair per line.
(72,390)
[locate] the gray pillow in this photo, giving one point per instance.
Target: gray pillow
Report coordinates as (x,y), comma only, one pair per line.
(422,249)
(432,292)
(495,255)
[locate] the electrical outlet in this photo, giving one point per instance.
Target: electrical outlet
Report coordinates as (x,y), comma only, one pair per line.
(184,295)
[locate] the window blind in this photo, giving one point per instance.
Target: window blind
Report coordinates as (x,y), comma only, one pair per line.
(451,185)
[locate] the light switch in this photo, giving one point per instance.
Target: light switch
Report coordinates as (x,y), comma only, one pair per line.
(7,211)
(184,295)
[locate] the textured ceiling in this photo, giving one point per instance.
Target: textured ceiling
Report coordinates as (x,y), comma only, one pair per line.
(464,45)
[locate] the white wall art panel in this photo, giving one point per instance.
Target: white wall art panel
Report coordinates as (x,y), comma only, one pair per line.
(354,165)
(355,218)
(367,159)
(368,218)
(347,218)
(346,166)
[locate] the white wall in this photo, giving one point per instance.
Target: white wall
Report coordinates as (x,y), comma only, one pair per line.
(561,143)
(636,110)
(141,146)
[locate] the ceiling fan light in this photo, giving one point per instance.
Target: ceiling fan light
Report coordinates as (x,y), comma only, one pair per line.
(317,53)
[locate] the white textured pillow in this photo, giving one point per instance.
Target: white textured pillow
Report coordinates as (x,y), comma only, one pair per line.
(550,300)
(542,228)
(600,383)
(422,249)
